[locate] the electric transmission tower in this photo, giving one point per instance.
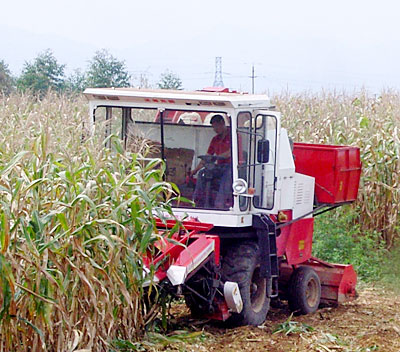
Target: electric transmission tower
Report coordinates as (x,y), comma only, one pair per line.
(218,72)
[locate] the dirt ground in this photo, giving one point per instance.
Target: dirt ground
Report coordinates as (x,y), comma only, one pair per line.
(370,323)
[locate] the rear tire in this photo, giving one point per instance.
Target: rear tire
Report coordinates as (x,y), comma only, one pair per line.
(241,264)
(304,291)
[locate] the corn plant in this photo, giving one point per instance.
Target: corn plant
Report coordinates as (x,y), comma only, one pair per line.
(75,222)
(76,219)
(289,327)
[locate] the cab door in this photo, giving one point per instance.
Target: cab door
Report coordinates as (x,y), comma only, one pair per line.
(265,130)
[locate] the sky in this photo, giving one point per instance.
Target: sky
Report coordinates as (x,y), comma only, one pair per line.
(294,46)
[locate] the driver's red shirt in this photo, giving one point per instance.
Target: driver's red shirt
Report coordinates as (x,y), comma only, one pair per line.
(220,145)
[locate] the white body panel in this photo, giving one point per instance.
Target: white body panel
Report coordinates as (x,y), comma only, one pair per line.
(303,199)
(286,173)
(176,99)
(217,218)
(232,296)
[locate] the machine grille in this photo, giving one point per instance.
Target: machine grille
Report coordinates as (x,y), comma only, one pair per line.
(303,194)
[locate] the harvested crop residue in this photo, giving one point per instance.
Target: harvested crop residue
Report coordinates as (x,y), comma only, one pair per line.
(370,323)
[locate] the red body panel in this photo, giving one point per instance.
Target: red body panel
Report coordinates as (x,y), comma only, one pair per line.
(217,241)
(188,225)
(192,245)
(168,252)
(218,90)
(295,241)
(189,254)
(172,116)
(338,281)
(336,170)
(222,313)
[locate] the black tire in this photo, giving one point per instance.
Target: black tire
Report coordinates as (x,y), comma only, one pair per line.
(241,264)
(304,291)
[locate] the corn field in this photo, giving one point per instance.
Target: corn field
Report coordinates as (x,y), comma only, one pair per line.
(76,219)
(372,123)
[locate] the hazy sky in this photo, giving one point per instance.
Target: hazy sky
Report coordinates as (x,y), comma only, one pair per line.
(295,45)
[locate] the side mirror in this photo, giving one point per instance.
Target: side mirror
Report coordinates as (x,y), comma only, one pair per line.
(263,151)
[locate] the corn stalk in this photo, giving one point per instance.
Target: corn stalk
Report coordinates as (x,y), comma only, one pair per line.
(371,122)
(76,220)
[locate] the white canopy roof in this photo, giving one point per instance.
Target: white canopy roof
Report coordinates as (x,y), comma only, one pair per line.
(178,97)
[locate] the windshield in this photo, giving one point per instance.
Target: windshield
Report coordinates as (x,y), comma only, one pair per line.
(196,147)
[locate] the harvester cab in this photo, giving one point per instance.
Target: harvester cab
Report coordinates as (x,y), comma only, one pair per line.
(253,197)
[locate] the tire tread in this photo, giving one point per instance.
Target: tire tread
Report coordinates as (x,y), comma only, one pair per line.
(238,266)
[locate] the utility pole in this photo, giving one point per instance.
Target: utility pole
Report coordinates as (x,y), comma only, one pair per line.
(218,72)
(253,78)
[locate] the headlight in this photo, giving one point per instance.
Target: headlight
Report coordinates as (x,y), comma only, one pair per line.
(239,186)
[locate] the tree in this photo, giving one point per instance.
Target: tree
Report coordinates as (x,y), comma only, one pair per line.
(169,80)
(142,81)
(43,74)
(76,82)
(6,79)
(107,71)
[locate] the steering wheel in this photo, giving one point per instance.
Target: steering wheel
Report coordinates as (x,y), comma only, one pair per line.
(211,159)
(211,169)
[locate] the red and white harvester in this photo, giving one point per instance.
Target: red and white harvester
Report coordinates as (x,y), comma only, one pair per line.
(234,257)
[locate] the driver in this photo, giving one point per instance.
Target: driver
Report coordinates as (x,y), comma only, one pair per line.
(220,146)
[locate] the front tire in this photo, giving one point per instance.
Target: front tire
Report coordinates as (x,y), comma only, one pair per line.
(241,264)
(304,291)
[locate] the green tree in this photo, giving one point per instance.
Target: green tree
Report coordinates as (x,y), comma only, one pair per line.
(6,79)
(76,82)
(107,71)
(42,74)
(169,80)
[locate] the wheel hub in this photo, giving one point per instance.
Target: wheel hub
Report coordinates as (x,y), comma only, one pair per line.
(312,293)
(258,290)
